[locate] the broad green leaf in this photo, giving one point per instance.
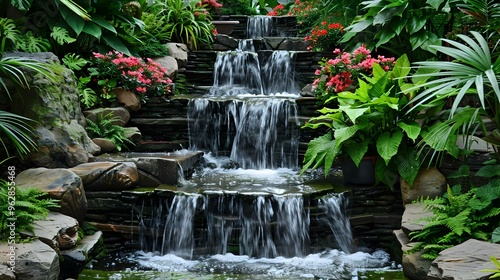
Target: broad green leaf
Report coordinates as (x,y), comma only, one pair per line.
(115,43)
(402,67)
(23,5)
(408,164)
(103,23)
(345,133)
(417,39)
(412,128)
(416,24)
(92,29)
(384,36)
(495,238)
(75,8)
(73,20)
(353,113)
(320,151)
(489,171)
(387,145)
(357,151)
(435,3)
(61,36)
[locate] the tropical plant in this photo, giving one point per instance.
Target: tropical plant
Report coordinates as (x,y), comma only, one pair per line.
(404,26)
(17,129)
(104,127)
(474,72)
(238,7)
(187,23)
(30,204)
(459,216)
(369,120)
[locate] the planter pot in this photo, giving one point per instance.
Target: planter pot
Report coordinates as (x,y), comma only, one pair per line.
(225,26)
(364,174)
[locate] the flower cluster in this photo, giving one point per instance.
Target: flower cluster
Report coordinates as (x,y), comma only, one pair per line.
(211,5)
(325,36)
(342,72)
(278,11)
(115,69)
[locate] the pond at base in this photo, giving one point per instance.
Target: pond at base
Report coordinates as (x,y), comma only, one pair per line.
(330,264)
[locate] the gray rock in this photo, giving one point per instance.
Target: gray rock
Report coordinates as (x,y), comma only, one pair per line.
(5,272)
(74,260)
(414,266)
(465,261)
(57,230)
(106,145)
(60,184)
(429,183)
(36,260)
(120,112)
(133,134)
(179,52)
(55,106)
(414,217)
(170,65)
(107,176)
(226,41)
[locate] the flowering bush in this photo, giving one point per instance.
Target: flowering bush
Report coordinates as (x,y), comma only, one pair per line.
(115,69)
(211,6)
(325,36)
(279,10)
(342,73)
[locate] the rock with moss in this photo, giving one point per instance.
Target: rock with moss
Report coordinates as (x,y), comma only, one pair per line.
(59,122)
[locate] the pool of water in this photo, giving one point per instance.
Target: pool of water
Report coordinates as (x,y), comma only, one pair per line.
(330,264)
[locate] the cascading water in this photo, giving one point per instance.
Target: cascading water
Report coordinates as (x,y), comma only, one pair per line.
(255,207)
(259,26)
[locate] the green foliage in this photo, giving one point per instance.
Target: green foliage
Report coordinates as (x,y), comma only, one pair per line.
(151,47)
(237,7)
(187,23)
(104,127)
(474,72)
(495,236)
(28,206)
(404,26)
(61,36)
(18,131)
(460,216)
(369,120)
(88,97)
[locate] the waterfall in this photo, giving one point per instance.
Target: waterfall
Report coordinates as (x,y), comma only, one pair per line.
(259,26)
(335,208)
(256,133)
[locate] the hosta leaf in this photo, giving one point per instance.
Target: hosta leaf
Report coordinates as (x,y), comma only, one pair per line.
(387,144)
(412,129)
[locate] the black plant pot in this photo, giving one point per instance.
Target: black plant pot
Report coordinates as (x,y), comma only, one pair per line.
(364,174)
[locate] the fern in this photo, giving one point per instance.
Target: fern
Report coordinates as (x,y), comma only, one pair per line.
(61,36)
(30,205)
(104,127)
(458,217)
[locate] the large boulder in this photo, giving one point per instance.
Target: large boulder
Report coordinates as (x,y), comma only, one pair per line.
(60,184)
(170,65)
(428,183)
(36,260)
(107,176)
(55,106)
(465,261)
(179,52)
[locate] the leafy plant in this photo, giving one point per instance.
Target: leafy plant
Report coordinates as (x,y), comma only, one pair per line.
(18,131)
(30,205)
(238,7)
(325,36)
(473,72)
(105,127)
(404,26)
(369,120)
(88,97)
(187,23)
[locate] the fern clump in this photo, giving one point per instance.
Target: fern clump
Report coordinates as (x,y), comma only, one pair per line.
(105,127)
(30,204)
(458,217)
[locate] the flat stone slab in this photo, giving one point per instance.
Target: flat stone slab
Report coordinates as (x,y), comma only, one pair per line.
(465,261)
(154,168)
(414,217)
(57,230)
